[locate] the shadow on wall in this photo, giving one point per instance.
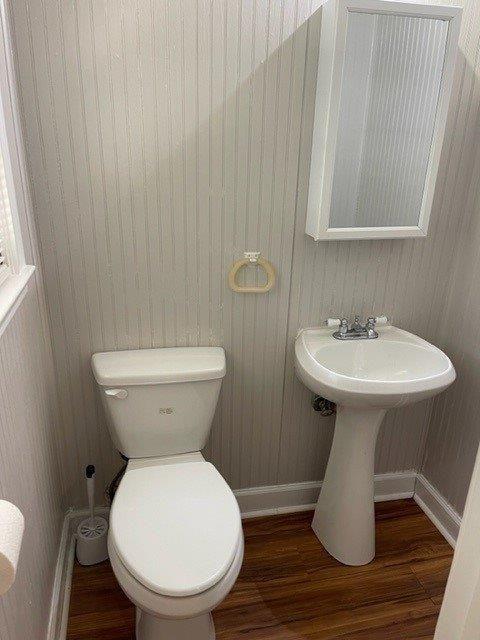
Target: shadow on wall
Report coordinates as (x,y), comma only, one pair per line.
(161,146)
(167,176)
(454,432)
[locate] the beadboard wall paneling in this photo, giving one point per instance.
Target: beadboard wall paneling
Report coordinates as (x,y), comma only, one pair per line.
(29,471)
(164,139)
(29,423)
(454,430)
(406,279)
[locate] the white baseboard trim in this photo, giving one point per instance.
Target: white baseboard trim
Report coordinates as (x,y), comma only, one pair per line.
(255,502)
(58,619)
(57,623)
(302,496)
(437,509)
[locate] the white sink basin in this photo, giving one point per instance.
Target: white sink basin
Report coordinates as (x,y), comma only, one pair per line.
(394,369)
(364,378)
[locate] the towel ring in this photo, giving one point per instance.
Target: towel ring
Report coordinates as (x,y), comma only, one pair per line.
(251,257)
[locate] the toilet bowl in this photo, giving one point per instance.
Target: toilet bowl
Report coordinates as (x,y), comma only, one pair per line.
(175,539)
(175,544)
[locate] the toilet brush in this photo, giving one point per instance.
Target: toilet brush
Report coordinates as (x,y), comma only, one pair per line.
(92,532)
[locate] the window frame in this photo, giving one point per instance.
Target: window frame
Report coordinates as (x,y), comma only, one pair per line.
(13,283)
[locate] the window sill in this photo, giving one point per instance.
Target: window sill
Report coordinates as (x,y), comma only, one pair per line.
(12,292)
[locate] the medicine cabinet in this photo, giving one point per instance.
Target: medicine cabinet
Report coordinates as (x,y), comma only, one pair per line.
(384,80)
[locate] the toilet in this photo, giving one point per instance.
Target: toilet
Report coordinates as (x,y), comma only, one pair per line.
(175,539)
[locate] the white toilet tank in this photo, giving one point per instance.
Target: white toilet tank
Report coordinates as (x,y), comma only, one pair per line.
(160,401)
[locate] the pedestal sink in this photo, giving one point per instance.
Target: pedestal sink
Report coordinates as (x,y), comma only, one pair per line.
(364,378)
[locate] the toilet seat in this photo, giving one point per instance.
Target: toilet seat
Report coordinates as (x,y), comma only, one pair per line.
(175,525)
(170,607)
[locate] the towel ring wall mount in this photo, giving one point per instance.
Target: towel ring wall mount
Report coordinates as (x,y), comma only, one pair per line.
(251,257)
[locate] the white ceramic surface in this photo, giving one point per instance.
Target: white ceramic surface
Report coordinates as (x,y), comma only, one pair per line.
(175,540)
(159,402)
(164,617)
(153,366)
(364,378)
(175,524)
(171,607)
(175,544)
(395,369)
(149,627)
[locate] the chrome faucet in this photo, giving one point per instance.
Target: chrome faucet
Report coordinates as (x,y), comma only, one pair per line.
(356,326)
(356,331)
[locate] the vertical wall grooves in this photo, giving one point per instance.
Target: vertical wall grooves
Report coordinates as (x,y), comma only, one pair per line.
(27,442)
(387,128)
(166,138)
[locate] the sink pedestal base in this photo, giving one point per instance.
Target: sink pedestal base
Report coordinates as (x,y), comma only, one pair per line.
(344,519)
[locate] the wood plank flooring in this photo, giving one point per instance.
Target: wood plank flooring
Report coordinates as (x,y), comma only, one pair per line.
(291,589)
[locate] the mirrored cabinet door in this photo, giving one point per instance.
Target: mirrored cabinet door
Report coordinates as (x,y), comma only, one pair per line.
(384,82)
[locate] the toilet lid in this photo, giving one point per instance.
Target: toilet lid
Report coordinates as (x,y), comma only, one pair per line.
(176,527)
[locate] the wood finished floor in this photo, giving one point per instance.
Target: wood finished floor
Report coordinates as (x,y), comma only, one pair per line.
(291,589)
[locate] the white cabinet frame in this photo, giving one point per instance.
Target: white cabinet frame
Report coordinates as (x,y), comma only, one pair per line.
(327,107)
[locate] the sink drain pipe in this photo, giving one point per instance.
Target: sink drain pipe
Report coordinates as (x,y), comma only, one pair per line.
(323,406)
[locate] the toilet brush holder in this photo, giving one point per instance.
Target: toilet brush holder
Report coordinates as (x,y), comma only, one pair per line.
(92,541)
(92,531)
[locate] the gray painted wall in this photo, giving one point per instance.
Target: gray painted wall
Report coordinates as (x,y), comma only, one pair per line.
(29,471)
(454,430)
(164,139)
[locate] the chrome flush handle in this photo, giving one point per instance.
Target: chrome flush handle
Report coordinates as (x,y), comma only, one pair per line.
(120,394)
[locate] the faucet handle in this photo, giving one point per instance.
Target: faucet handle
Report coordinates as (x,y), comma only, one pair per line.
(370,328)
(356,325)
(332,322)
(343,325)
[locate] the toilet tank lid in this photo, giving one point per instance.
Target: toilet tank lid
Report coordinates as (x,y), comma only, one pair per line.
(157,366)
